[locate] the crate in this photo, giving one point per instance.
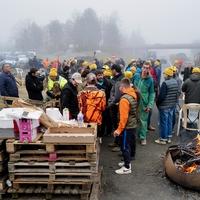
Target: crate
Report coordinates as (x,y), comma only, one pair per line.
(28,129)
(69,135)
(28,124)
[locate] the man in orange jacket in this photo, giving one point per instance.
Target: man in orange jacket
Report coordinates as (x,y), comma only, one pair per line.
(127,125)
(92,102)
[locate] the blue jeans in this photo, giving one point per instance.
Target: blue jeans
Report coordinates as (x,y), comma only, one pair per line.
(166,121)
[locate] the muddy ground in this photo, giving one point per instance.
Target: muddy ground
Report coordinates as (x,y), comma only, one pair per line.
(147,181)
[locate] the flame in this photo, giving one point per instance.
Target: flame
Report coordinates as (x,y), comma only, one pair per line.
(191,169)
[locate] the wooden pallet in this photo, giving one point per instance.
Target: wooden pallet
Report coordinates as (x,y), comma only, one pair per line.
(62,191)
(50,177)
(52,167)
(40,151)
(84,191)
(13,145)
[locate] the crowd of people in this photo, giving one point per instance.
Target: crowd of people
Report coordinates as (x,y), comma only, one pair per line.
(119,98)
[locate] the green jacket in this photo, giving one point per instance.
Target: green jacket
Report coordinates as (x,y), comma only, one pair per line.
(146,90)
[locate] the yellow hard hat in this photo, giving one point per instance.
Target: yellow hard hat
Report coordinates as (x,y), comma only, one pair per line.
(133,69)
(196,70)
(85,64)
(168,71)
(105,67)
(128,74)
(107,72)
(53,72)
(93,66)
(174,68)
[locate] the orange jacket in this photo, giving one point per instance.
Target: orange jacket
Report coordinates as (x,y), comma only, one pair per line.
(124,109)
(92,103)
(46,63)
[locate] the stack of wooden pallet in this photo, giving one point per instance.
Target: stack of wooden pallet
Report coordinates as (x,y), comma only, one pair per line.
(3,167)
(64,161)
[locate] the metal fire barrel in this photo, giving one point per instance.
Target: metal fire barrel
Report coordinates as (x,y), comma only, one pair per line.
(187,180)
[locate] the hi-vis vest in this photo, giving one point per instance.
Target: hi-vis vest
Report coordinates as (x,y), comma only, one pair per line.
(62,81)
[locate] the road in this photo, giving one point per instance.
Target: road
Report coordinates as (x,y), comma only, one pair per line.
(147,181)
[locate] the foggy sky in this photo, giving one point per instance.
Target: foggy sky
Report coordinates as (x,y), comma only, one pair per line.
(159,21)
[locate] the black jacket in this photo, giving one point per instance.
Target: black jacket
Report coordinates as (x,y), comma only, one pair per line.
(69,99)
(34,87)
(115,94)
(106,87)
(191,87)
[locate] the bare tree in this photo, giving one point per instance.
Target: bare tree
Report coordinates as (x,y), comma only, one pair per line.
(111,35)
(86,32)
(29,37)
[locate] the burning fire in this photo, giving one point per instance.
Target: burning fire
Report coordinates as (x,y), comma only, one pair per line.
(194,166)
(190,169)
(188,160)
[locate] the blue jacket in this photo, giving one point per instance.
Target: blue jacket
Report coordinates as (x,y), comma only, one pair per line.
(137,76)
(158,74)
(8,86)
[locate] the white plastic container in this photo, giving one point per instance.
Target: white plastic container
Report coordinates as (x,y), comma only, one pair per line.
(66,114)
(54,114)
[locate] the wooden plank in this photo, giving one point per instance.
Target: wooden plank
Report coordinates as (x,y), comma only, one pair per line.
(12,145)
(10,148)
(69,138)
(63,180)
(71,130)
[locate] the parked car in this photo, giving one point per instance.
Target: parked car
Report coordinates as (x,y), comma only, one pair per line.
(23,59)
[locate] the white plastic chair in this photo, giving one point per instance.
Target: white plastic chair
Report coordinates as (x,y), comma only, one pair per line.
(189,113)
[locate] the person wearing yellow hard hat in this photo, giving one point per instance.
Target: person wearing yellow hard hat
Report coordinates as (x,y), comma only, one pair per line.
(93,67)
(105,67)
(176,76)
(168,72)
(107,72)
(128,74)
(85,64)
(166,104)
(191,87)
(196,70)
(55,83)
